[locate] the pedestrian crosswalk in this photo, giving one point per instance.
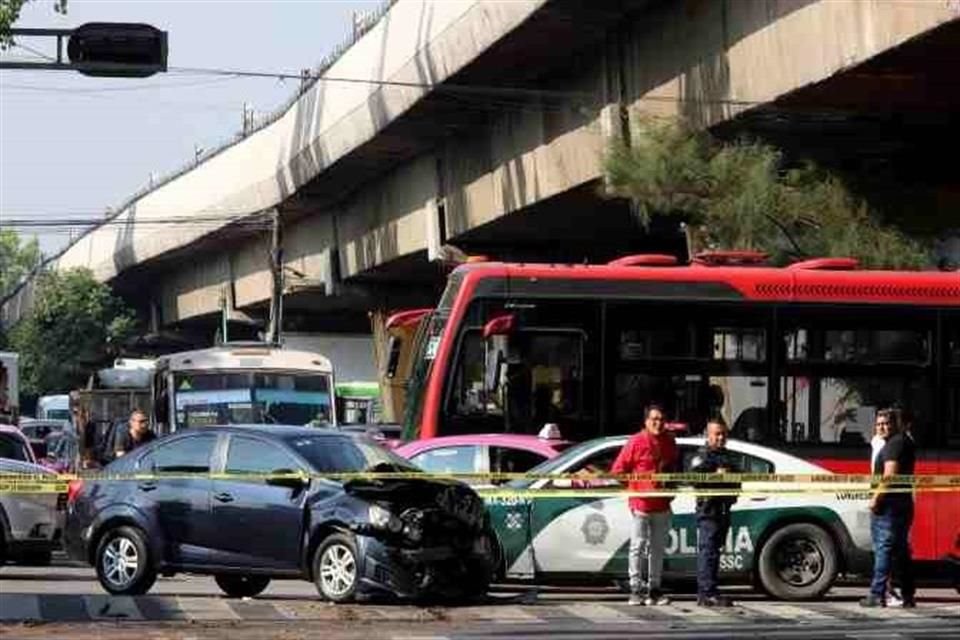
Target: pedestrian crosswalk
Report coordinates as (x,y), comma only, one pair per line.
(76,608)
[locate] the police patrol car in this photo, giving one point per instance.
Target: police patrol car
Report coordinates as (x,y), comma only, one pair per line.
(792,544)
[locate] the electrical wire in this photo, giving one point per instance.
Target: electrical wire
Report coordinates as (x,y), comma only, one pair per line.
(98,90)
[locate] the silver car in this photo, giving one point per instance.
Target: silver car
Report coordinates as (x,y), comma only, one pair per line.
(30,523)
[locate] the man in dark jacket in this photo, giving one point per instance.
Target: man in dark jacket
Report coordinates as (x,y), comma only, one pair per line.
(123,439)
(713,513)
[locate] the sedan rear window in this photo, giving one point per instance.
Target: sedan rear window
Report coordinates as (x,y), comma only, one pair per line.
(328,454)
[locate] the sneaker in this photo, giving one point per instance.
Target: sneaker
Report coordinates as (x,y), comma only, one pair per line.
(893,600)
(714,601)
(872,601)
(635,600)
(656,599)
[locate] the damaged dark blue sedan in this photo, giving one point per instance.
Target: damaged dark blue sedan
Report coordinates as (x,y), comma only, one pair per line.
(199,502)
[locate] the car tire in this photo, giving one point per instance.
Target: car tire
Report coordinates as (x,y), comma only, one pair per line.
(117,550)
(336,568)
(241,586)
(798,562)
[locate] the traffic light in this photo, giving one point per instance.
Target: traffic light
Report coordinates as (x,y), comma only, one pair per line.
(119,50)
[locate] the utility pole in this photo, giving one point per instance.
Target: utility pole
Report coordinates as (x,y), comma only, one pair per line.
(276,270)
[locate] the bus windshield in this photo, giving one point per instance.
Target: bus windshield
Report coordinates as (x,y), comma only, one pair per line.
(246,397)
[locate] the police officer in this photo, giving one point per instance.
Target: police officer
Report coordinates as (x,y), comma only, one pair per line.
(713,513)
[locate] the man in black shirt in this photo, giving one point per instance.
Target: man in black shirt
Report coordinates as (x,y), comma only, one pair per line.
(892,513)
(136,434)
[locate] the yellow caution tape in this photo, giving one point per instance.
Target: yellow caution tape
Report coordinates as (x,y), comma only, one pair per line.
(578,485)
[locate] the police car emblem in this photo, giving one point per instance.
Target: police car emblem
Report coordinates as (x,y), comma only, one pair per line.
(595,529)
(514,520)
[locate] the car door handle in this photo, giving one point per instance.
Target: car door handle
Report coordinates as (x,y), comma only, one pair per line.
(758,498)
(223,497)
(147,486)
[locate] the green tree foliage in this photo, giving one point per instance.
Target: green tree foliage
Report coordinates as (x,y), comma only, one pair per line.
(17,258)
(75,326)
(10,12)
(743,196)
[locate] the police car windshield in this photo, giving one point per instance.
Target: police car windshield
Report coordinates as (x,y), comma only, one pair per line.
(556,464)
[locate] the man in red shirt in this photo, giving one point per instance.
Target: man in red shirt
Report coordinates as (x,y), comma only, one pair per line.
(652,450)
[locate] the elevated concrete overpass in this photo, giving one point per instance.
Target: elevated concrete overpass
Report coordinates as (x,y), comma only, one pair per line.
(483,124)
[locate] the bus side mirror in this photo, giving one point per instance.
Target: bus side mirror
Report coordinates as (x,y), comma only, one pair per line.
(499,326)
(393,358)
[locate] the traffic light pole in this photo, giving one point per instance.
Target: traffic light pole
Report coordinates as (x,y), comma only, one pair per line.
(59,64)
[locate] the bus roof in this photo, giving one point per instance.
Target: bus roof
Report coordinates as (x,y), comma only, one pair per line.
(245,356)
(811,281)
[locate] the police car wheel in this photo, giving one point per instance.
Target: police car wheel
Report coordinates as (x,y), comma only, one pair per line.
(798,562)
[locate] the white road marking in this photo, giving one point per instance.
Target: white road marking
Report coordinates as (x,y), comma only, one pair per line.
(877,612)
(285,611)
(785,611)
(104,607)
(205,608)
(19,606)
(509,614)
(598,613)
(690,611)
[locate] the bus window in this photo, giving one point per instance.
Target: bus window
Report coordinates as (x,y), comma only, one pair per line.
(696,362)
(526,379)
(859,346)
(953,412)
(841,409)
(952,383)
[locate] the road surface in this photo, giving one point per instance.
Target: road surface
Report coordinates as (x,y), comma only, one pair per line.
(67,602)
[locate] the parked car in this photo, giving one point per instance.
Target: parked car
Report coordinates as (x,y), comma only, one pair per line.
(37,432)
(30,523)
(407,537)
(793,545)
(482,453)
(14,445)
(63,452)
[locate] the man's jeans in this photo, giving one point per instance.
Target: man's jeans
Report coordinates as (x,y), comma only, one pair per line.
(648,539)
(890,531)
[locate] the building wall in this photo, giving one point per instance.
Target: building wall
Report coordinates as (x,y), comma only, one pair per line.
(351,354)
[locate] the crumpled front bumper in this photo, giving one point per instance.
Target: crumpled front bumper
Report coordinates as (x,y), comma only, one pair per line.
(415,573)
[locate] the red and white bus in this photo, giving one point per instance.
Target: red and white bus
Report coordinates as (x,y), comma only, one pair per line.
(798,358)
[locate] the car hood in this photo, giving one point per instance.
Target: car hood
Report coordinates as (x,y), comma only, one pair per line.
(450,496)
(16,466)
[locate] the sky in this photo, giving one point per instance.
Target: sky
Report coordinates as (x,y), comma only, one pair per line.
(72,146)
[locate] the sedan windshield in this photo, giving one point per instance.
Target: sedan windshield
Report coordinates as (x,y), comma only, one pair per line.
(329,454)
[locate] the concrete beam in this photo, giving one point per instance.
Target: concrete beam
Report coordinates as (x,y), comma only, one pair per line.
(416,43)
(709,60)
